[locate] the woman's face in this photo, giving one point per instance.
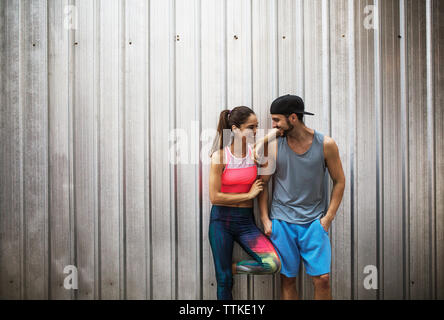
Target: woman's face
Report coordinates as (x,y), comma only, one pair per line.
(247,130)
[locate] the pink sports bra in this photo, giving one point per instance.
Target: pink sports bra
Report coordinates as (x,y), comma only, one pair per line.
(239,174)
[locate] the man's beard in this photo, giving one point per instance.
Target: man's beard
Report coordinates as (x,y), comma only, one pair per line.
(287,131)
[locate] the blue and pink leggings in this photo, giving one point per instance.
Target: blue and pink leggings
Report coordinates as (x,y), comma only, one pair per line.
(237,224)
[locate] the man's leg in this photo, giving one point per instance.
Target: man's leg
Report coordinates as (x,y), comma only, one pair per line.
(315,250)
(288,288)
(322,290)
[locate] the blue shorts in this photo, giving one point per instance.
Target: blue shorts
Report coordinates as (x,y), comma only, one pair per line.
(309,241)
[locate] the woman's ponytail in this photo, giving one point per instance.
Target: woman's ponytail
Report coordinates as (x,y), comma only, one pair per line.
(224,124)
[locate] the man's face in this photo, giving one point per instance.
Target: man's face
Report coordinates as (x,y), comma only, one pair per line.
(282,123)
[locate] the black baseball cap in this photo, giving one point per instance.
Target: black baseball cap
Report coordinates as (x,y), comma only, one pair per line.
(288,104)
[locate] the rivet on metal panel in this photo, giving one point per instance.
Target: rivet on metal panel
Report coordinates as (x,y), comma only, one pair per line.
(177,38)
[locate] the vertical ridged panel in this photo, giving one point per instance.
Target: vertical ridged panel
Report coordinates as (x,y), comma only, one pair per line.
(366,214)
(392,230)
(438,43)
(162,242)
(11,174)
(136,175)
(59,153)
(188,128)
(109,131)
(86,117)
(341,35)
(213,95)
(85,148)
(35,147)
(418,171)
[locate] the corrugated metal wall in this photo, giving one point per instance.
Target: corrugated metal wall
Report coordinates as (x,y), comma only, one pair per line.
(91,91)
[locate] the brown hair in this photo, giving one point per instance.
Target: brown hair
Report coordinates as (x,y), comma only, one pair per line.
(227,119)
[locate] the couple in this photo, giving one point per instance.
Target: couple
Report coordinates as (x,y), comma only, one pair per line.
(298,222)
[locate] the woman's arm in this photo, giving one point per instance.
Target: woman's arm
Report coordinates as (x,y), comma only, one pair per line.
(220,198)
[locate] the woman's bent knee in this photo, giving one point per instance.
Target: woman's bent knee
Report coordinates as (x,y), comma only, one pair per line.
(276,266)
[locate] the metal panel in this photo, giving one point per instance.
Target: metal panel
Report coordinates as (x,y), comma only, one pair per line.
(162,100)
(86,170)
(365,197)
(418,175)
(438,43)
(392,261)
(11,165)
(85,148)
(405,147)
(135,172)
(108,137)
(213,93)
(188,114)
(342,73)
(290,52)
(35,148)
(315,19)
(61,246)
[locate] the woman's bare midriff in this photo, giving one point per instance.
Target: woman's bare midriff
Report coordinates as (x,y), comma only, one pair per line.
(245,204)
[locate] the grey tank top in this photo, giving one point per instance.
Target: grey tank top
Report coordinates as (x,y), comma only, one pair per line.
(300,183)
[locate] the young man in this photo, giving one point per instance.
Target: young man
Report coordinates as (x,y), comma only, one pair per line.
(299,220)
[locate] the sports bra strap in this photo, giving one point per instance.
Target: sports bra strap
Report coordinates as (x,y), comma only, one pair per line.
(227,155)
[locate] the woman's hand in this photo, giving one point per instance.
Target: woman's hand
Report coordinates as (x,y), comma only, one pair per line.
(256,188)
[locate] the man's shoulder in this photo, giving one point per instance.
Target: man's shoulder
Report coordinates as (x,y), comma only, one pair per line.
(329,141)
(330,146)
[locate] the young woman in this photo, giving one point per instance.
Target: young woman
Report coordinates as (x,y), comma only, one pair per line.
(233,185)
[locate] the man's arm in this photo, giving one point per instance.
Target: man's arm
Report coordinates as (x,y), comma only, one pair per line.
(261,145)
(334,165)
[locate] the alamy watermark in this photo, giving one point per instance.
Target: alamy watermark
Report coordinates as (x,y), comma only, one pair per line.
(189,147)
(371,281)
(371,20)
(71,17)
(71,281)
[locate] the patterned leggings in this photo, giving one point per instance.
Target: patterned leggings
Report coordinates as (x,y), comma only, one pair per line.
(237,224)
